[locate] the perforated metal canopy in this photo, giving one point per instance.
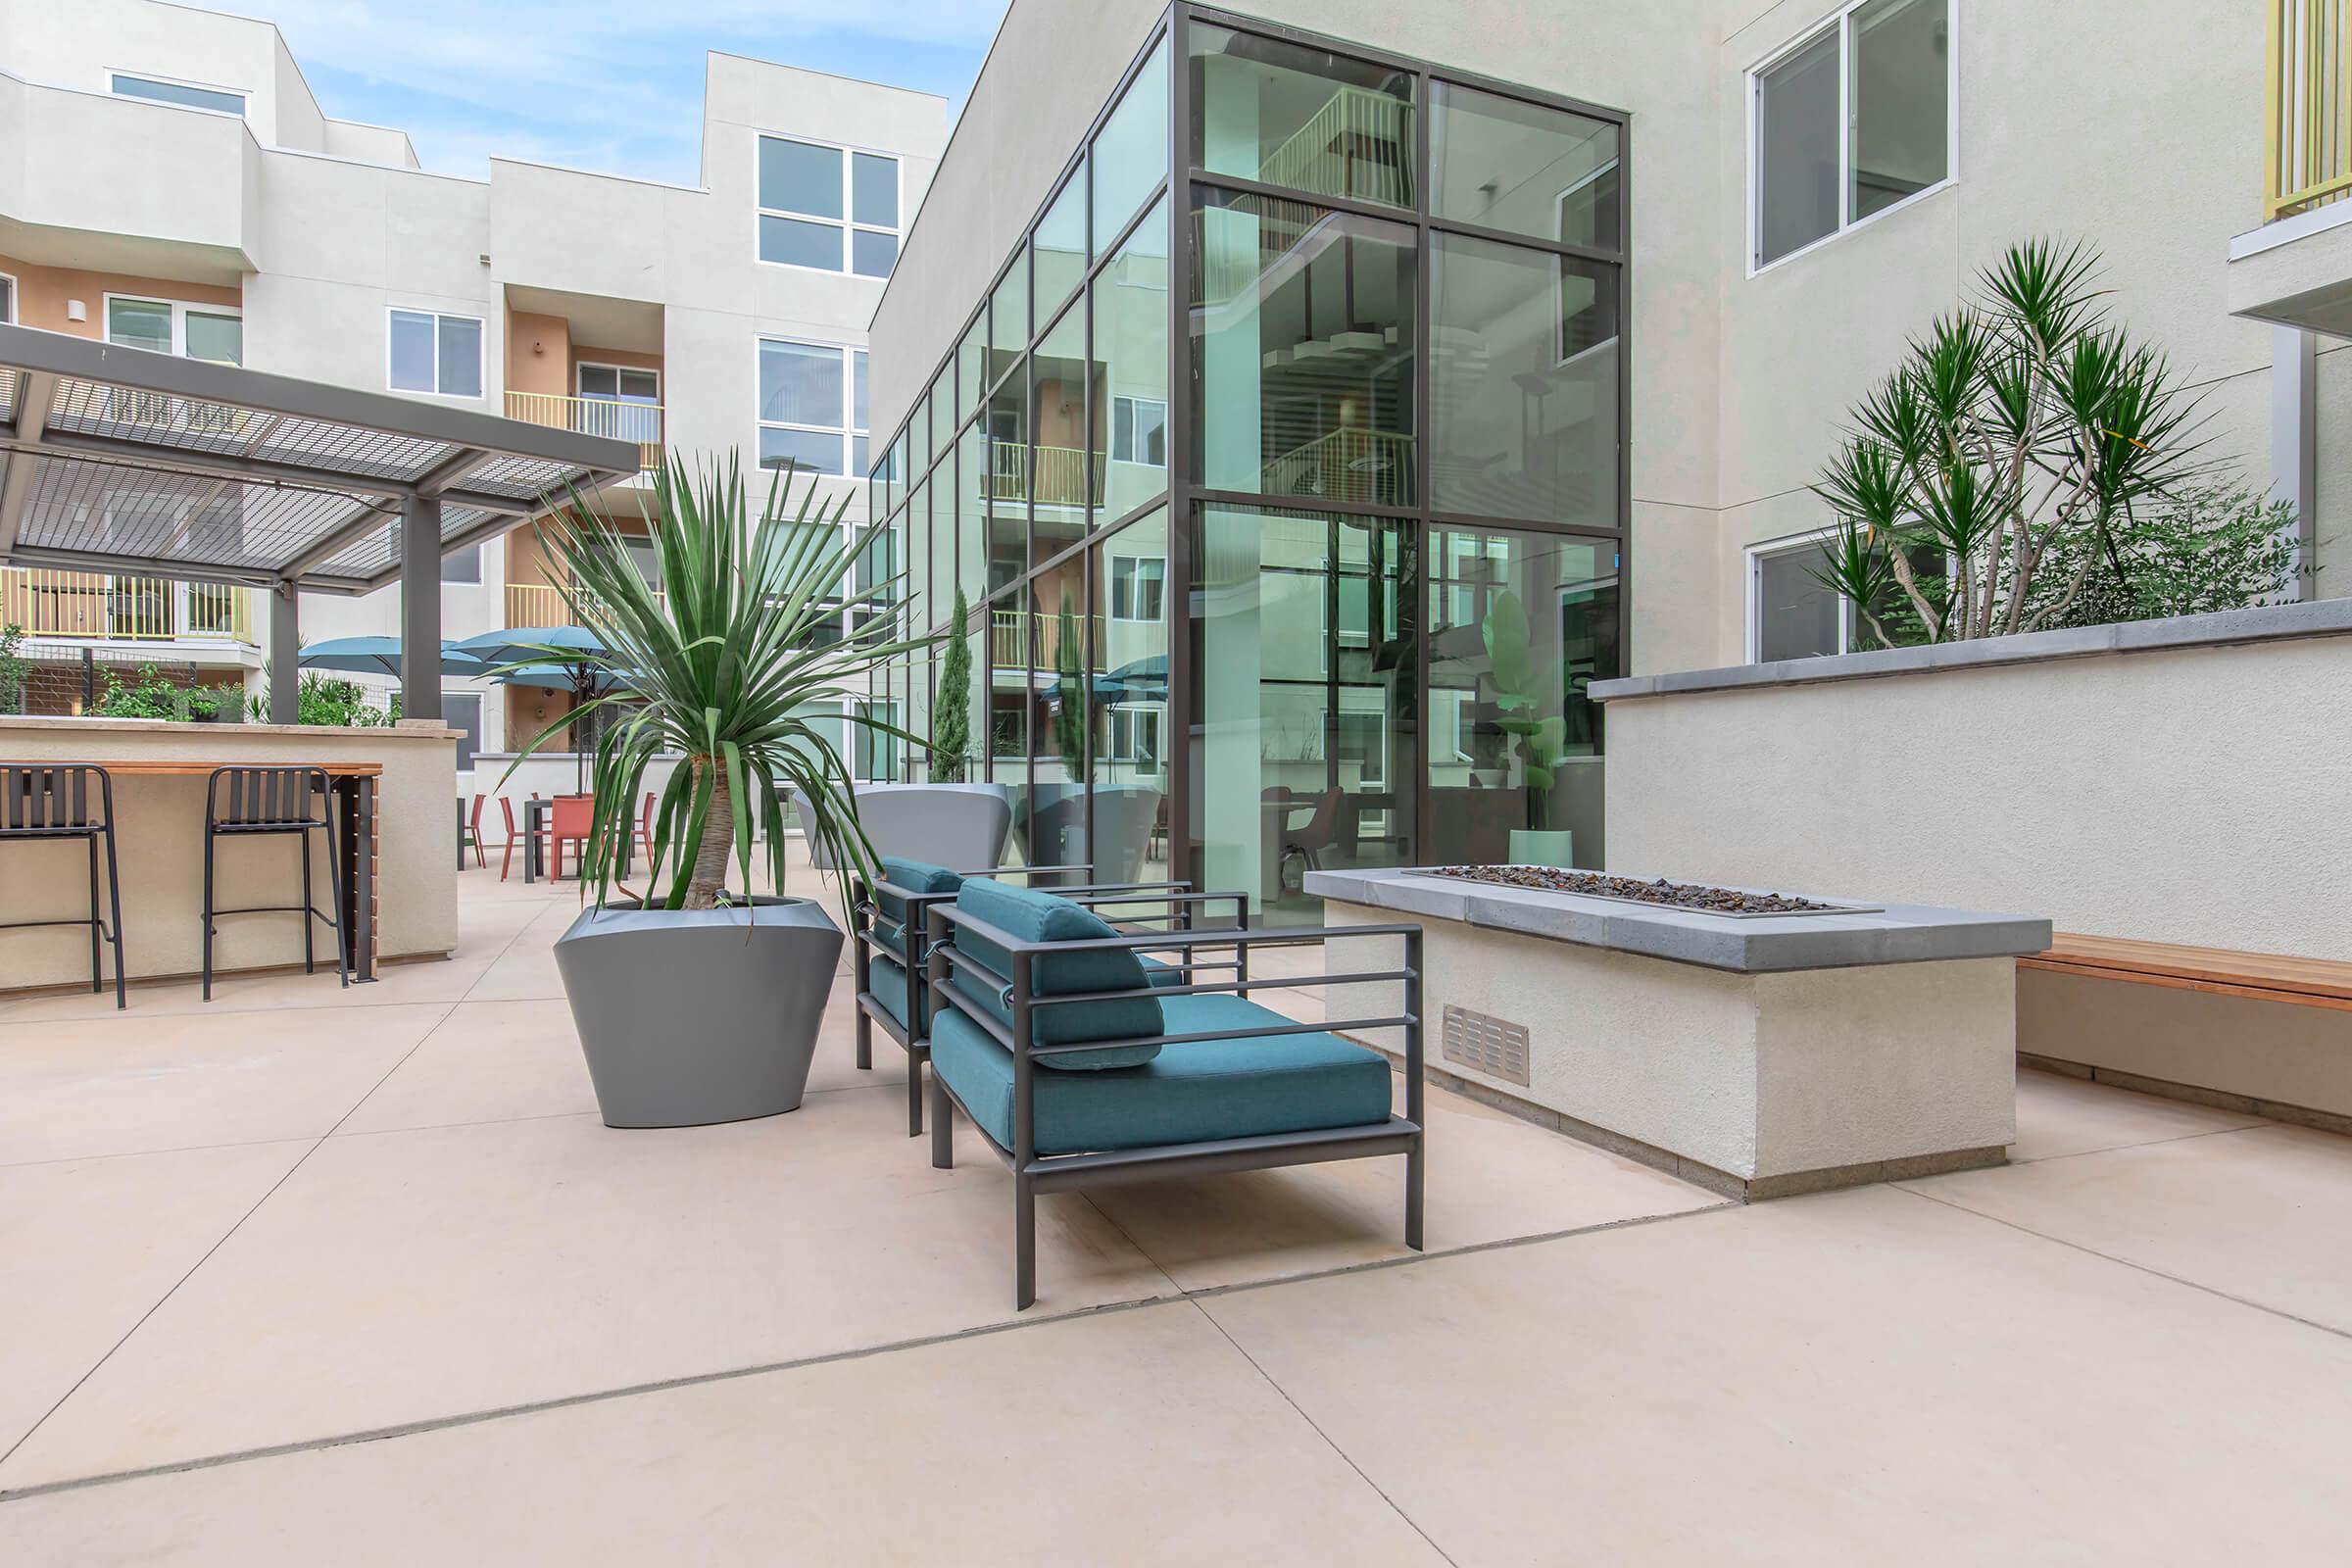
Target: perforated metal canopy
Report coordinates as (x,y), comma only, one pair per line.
(123,460)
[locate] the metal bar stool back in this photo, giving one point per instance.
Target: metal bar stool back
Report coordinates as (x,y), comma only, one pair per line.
(48,800)
(260,802)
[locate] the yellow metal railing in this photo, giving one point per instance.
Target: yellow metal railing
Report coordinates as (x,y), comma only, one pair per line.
(2308,137)
(640,423)
(1009,632)
(48,603)
(536,604)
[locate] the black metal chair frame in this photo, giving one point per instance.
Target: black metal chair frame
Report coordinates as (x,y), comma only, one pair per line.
(60,809)
(869,928)
(1033,1173)
(267,789)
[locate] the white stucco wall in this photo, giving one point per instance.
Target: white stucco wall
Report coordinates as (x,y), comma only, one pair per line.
(2189,795)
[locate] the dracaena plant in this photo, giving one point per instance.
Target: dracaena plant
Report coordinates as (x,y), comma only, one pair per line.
(731,664)
(1987,478)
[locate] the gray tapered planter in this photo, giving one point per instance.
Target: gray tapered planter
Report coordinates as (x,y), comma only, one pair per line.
(691,1017)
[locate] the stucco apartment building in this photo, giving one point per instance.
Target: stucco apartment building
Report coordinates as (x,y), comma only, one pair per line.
(168,181)
(1256,354)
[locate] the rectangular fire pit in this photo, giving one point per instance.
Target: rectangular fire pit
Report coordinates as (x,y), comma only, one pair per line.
(1758,1052)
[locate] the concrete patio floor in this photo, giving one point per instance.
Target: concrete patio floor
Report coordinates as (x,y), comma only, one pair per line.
(307,1275)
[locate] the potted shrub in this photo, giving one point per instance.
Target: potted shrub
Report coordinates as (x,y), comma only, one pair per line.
(697,1002)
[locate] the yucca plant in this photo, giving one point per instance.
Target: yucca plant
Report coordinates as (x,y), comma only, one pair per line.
(730,663)
(2020,434)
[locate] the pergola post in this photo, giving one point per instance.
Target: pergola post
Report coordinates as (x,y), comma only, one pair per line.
(420,607)
(285,654)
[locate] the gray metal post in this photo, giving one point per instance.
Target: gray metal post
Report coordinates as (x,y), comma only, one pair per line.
(285,650)
(420,607)
(2294,439)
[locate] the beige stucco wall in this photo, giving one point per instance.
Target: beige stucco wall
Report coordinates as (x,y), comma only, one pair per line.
(160,844)
(2189,796)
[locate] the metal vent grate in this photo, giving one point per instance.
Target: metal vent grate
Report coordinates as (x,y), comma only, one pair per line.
(1484,1044)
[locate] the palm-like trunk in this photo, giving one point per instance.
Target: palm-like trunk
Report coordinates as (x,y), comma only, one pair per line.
(710,875)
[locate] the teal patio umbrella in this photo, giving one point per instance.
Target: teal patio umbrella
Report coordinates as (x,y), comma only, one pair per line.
(539,653)
(380,655)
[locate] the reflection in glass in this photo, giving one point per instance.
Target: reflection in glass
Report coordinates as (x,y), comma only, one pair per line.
(1520,624)
(1008,481)
(1303,706)
(1797,614)
(1131,154)
(1523,396)
(1009,316)
(1057,431)
(972,361)
(1503,164)
(1901,89)
(1056,820)
(1308,119)
(1796,150)
(971,514)
(1302,359)
(1128,704)
(1058,250)
(1130,439)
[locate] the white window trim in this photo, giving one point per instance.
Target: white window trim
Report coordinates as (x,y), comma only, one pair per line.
(1787,544)
(241,94)
(1842,20)
(1120,559)
(1130,403)
(179,318)
(481,353)
(7,318)
(847,431)
(846,223)
(1136,715)
(619,369)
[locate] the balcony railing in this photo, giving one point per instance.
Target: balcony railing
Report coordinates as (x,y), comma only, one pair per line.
(1359,144)
(1062,473)
(1375,466)
(640,423)
(1009,632)
(2308,150)
(49,603)
(538,605)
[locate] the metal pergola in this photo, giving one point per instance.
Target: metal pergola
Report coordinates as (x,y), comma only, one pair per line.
(127,460)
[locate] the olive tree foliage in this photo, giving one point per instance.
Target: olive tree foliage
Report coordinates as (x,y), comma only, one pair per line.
(2019,440)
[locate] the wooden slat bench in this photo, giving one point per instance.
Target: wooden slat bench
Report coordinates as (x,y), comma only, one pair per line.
(2263,1032)
(2219,971)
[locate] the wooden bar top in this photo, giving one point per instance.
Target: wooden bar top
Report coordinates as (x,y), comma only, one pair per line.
(187,768)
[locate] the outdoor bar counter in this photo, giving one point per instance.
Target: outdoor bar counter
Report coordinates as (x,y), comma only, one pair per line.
(404,778)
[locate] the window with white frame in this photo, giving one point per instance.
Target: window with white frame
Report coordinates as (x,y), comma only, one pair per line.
(1850,122)
(1133,733)
(1791,613)
(627,401)
(8,300)
(215,332)
(812,406)
(463,566)
(1139,431)
(187,94)
(832,209)
(431,352)
(1137,587)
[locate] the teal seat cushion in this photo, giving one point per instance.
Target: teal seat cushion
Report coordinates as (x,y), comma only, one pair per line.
(1190,1092)
(918,877)
(1029,915)
(1160,972)
(888,981)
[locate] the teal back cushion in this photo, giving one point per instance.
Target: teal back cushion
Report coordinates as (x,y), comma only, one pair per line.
(916,877)
(1029,915)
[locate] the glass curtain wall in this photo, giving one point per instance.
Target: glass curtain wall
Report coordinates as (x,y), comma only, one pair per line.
(1313,565)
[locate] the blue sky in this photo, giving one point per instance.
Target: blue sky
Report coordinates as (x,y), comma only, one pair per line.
(597,84)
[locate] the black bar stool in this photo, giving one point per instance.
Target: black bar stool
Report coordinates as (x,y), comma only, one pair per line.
(40,802)
(255,801)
